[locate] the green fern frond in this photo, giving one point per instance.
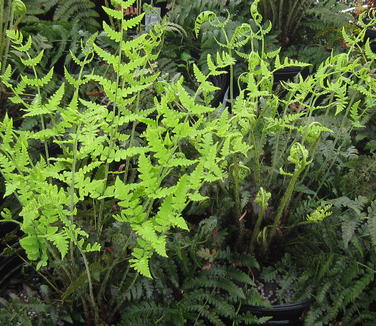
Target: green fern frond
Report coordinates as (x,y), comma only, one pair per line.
(368,51)
(112,34)
(205,16)
(371,222)
(116,14)
(133,22)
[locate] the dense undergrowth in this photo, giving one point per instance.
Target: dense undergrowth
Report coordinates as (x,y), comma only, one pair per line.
(155,175)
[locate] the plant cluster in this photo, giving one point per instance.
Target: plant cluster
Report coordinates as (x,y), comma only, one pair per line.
(142,199)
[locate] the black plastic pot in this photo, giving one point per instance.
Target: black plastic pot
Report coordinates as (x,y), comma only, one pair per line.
(371,35)
(288,73)
(10,268)
(222,82)
(287,314)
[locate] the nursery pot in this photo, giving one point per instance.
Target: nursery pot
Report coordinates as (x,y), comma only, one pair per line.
(221,95)
(288,73)
(10,268)
(371,35)
(285,314)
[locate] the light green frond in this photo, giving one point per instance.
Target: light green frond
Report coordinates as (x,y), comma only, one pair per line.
(368,51)
(6,76)
(200,77)
(106,56)
(114,13)
(39,81)
(112,34)
(133,22)
(205,16)
(26,47)
(33,61)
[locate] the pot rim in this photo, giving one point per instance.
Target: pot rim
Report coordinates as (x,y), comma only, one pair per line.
(283,307)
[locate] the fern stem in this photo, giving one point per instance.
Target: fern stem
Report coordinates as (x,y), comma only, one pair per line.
(366,266)
(231,67)
(236,313)
(231,82)
(71,192)
(300,17)
(139,8)
(280,15)
(115,262)
(125,274)
(292,14)
(277,150)
(284,203)
(256,229)
(105,281)
(37,271)
(7,43)
(133,131)
(41,117)
(112,131)
(91,293)
(159,319)
(120,303)
(234,169)
(313,150)
(150,201)
(273,10)
(204,305)
(257,177)
(330,101)
(84,307)
(73,173)
(56,258)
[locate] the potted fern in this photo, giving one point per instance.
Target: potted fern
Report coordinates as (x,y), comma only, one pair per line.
(273,142)
(95,212)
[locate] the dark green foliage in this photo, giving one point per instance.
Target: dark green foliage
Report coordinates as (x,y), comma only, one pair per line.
(360,180)
(199,286)
(319,31)
(338,258)
(131,158)
(308,30)
(282,283)
(184,49)
(32,308)
(57,27)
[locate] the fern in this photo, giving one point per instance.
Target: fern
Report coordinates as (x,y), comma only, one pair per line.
(149,204)
(372,222)
(155,181)
(198,284)
(75,11)
(343,283)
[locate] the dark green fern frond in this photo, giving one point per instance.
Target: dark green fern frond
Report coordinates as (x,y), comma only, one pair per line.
(79,12)
(341,264)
